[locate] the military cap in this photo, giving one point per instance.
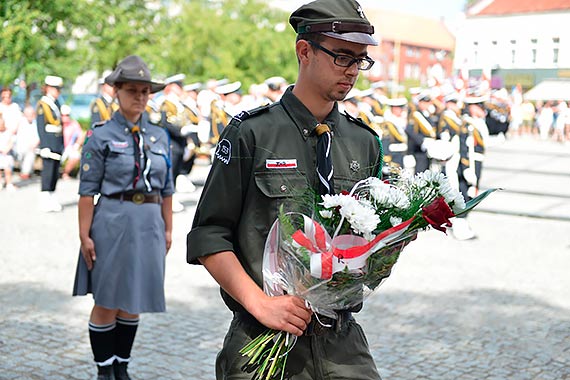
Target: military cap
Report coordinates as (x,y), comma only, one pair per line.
(378,84)
(192,86)
(65,110)
(133,69)
(53,81)
(275,83)
(423,96)
(176,79)
(476,99)
(353,96)
(340,19)
(228,88)
(397,102)
(451,97)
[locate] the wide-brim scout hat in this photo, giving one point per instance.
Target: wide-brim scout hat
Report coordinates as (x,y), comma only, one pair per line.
(133,69)
(340,19)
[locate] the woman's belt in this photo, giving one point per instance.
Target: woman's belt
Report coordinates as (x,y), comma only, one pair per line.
(137,197)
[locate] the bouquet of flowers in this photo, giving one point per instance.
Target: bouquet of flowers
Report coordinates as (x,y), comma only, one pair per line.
(343,252)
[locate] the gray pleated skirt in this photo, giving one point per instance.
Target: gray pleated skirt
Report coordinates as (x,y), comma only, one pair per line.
(130,246)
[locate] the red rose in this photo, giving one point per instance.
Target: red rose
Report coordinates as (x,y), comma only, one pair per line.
(437,214)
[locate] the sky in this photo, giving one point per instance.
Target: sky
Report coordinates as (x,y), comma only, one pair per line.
(449,10)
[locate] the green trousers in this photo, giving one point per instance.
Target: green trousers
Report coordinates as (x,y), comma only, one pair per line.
(342,355)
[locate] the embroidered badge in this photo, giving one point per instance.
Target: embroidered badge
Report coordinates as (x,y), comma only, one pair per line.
(120,144)
(86,167)
(354,166)
(224,151)
(281,164)
(88,155)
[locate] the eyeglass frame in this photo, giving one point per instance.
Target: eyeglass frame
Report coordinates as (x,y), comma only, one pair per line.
(353,60)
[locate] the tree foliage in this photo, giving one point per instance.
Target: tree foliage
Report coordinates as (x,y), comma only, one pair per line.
(237,39)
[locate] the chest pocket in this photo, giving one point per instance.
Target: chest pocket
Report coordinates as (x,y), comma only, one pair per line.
(281,185)
(158,155)
(119,163)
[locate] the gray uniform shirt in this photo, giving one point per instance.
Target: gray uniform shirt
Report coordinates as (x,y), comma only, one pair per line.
(108,159)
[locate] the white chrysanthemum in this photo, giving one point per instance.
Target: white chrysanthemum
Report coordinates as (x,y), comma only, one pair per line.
(398,198)
(326,214)
(362,219)
(458,203)
(332,201)
(395,220)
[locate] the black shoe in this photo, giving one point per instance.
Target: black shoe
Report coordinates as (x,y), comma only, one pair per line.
(105,372)
(120,370)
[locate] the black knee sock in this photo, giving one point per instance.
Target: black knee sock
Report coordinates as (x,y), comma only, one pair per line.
(124,338)
(102,339)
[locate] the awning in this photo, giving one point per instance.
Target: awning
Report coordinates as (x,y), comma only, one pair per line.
(550,89)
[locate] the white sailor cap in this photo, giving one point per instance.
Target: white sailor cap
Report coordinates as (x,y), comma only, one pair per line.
(476,99)
(228,88)
(397,102)
(275,83)
(177,79)
(65,109)
(53,81)
(451,97)
(192,86)
(378,84)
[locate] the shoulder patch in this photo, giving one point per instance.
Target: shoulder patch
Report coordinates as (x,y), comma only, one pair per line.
(358,121)
(244,115)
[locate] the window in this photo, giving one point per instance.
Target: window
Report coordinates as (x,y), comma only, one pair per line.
(555,55)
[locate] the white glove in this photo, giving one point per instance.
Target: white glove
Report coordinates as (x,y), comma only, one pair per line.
(427,143)
(469,175)
(187,129)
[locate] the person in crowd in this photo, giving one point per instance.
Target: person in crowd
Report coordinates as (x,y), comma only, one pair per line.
(124,237)
(545,120)
(72,142)
(394,137)
(10,111)
(103,107)
(175,117)
(7,139)
(27,141)
(421,132)
(276,86)
(243,193)
(50,131)
(470,167)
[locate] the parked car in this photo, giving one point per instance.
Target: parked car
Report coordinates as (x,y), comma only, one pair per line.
(80,105)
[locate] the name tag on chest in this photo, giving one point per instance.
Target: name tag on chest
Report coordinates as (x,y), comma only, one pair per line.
(281,164)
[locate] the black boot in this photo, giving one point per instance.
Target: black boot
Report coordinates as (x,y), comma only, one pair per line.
(120,370)
(105,372)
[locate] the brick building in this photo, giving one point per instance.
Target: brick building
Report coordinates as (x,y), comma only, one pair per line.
(412,49)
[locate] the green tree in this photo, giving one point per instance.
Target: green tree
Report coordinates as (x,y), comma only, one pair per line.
(239,39)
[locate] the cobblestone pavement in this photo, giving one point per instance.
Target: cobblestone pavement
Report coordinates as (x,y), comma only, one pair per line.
(497,307)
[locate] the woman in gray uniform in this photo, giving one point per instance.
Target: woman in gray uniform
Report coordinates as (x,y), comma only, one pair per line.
(126,235)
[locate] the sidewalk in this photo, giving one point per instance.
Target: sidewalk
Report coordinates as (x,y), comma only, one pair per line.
(492,308)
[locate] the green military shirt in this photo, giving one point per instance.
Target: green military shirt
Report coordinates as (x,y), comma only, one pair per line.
(266,158)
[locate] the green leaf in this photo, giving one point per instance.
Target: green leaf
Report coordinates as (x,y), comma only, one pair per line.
(475,201)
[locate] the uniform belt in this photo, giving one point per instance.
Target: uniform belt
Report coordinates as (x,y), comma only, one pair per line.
(319,325)
(137,197)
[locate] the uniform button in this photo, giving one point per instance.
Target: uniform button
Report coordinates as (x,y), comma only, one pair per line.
(283,188)
(305,132)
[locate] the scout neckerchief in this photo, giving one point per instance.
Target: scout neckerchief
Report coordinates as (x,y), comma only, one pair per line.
(140,157)
(324,159)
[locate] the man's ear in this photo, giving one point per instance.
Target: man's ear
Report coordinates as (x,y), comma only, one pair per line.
(303,49)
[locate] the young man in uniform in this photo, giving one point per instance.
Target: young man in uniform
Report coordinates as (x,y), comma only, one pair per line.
(248,183)
(50,131)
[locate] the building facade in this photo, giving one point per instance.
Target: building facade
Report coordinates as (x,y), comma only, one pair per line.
(515,42)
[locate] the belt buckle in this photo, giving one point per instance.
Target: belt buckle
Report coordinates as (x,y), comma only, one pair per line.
(138,198)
